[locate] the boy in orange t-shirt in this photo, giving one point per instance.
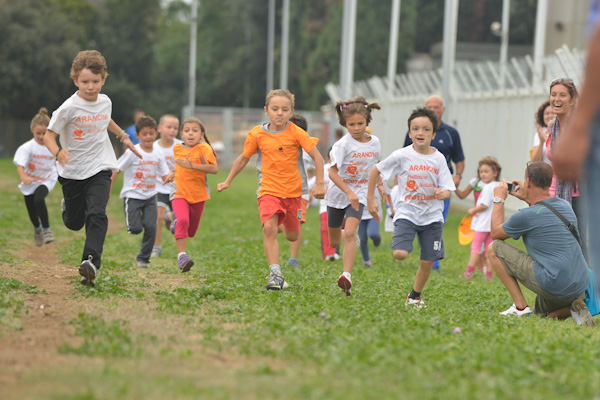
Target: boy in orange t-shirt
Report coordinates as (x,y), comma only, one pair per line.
(278,145)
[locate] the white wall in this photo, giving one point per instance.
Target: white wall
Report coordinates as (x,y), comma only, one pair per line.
(501,126)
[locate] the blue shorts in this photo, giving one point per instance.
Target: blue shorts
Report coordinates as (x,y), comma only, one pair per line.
(430,237)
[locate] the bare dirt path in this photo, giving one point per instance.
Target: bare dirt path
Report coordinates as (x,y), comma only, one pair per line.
(45,324)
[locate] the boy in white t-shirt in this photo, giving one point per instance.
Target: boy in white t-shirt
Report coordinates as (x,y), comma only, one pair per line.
(86,157)
(139,186)
(424,182)
(37,170)
(168,127)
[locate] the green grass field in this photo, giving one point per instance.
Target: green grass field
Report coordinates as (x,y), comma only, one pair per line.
(216,333)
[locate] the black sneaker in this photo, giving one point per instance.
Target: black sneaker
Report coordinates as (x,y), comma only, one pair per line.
(88,271)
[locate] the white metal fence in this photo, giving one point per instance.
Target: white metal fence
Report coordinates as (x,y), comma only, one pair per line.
(492,121)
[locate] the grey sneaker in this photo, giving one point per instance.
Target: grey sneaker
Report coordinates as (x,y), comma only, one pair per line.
(48,236)
(275,282)
(156,252)
(143,264)
(88,271)
(168,220)
(185,263)
(580,313)
(38,237)
(173,225)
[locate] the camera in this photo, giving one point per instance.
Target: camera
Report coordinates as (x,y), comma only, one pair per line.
(512,186)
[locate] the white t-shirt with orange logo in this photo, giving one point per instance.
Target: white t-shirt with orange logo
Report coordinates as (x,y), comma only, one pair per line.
(167,153)
(140,175)
(354,161)
(82,128)
(39,164)
(418,174)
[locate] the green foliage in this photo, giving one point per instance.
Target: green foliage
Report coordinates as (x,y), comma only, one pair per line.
(101,338)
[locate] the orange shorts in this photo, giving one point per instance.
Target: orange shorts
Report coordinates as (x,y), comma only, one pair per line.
(304,207)
(289,210)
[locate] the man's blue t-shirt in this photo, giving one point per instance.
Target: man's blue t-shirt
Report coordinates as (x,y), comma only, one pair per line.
(131,133)
(559,268)
(447,141)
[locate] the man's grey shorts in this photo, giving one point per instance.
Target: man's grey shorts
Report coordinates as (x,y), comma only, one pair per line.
(430,238)
(520,266)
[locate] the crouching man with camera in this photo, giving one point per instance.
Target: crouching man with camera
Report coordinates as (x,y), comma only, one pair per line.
(553,266)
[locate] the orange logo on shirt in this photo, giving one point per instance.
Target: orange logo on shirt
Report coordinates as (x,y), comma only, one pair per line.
(139,175)
(78,134)
(31,166)
(351,170)
(411,185)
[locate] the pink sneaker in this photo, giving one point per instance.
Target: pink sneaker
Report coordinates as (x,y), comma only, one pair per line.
(345,284)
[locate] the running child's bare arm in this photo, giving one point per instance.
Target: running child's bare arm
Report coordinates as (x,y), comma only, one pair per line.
(188,164)
(116,129)
(372,205)
(61,155)
(24,178)
(237,167)
(335,178)
(319,189)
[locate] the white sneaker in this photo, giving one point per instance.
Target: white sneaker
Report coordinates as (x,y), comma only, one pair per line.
(512,310)
(416,303)
(333,257)
(142,264)
(156,252)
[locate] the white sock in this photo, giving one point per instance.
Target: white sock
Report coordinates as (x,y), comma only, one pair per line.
(179,255)
(275,269)
(347,275)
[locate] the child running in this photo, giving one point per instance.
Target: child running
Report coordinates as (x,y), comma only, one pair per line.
(489,172)
(475,185)
(424,182)
(86,157)
(352,158)
(193,160)
(168,128)
(139,186)
(37,170)
(278,144)
(329,253)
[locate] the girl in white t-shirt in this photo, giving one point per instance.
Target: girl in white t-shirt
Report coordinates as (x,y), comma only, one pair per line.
(37,170)
(489,172)
(352,158)
(168,128)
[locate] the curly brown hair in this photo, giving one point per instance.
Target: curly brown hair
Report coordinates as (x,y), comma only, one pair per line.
(90,59)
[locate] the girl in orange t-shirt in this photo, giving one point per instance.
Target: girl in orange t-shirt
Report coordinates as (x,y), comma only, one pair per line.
(193,160)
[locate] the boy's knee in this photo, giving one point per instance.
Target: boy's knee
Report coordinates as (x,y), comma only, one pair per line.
(292,236)
(400,254)
(135,230)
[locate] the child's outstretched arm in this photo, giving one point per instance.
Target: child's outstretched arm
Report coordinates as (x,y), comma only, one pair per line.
(372,205)
(116,129)
(463,193)
(61,155)
(319,189)
(188,164)
(238,166)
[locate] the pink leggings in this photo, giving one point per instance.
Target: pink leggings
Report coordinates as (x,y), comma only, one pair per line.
(480,238)
(188,217)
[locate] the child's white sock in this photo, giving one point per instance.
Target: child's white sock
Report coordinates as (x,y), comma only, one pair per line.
(179,255)
(347,275)
(275,269)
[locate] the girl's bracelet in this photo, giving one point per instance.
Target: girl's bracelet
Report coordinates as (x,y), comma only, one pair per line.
(119,135)
(56,156)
